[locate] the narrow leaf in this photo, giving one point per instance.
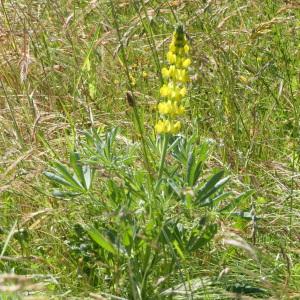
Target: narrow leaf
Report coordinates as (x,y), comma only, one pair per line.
(97,237)
(237,200)
(189,167)
(214,184)
(64,194)
(88,176)
(246,215)
(57,179)
(215,200)
(77,167)
(65,173)
(206,236)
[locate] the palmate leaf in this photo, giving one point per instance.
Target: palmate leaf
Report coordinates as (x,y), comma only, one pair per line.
(102,146)
(66,174)
(78,181)
(63,179)
(211,187)
(110,140)
(181,239)
(178,248)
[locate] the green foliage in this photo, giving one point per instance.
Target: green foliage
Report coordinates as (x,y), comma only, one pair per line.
(78,181)
(147,220)
(138,223)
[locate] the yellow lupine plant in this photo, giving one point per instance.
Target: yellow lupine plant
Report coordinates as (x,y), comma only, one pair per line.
(174,88)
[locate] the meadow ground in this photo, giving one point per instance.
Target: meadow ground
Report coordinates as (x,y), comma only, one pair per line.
(94,205)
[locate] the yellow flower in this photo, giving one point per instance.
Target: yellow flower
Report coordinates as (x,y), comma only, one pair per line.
(145,75)
(186,48)
(171,57)
(165,91)
(181,110)
(163,108)
(176,127)
(165,72)
(176,93)
(177,110)
(181,75)
(172,71)
(176,74)
(183,91)
(186,63)
(160,127)
(132,80)
(174,89)
(172,47)
(243,79)
(165,126)
(170,108)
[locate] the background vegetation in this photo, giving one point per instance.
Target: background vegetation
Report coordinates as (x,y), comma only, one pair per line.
(63,85)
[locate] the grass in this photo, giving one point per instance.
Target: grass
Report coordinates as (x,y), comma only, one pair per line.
(66,67)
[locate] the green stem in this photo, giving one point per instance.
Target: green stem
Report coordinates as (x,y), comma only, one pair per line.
(135,109)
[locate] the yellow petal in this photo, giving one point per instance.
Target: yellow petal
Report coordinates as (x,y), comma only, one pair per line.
(176,127)
(186,48)
(183,91)
(165,72)
(181,75)
(164,91)
(145,74)
(160,127)
(168,126)
(171,57)
(172,70)
(186,63)
(172,47)
(163,108)
(181,110)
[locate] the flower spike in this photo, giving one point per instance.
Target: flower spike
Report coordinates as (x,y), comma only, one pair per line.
(174,88)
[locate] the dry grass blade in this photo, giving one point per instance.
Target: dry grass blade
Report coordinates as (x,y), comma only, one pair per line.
(9,236)
(97,297)
(265,27)
(100,297)
(25,59)
(16,162)
(231,238)
(13,283)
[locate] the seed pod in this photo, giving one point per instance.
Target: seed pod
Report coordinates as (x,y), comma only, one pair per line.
(130,99)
